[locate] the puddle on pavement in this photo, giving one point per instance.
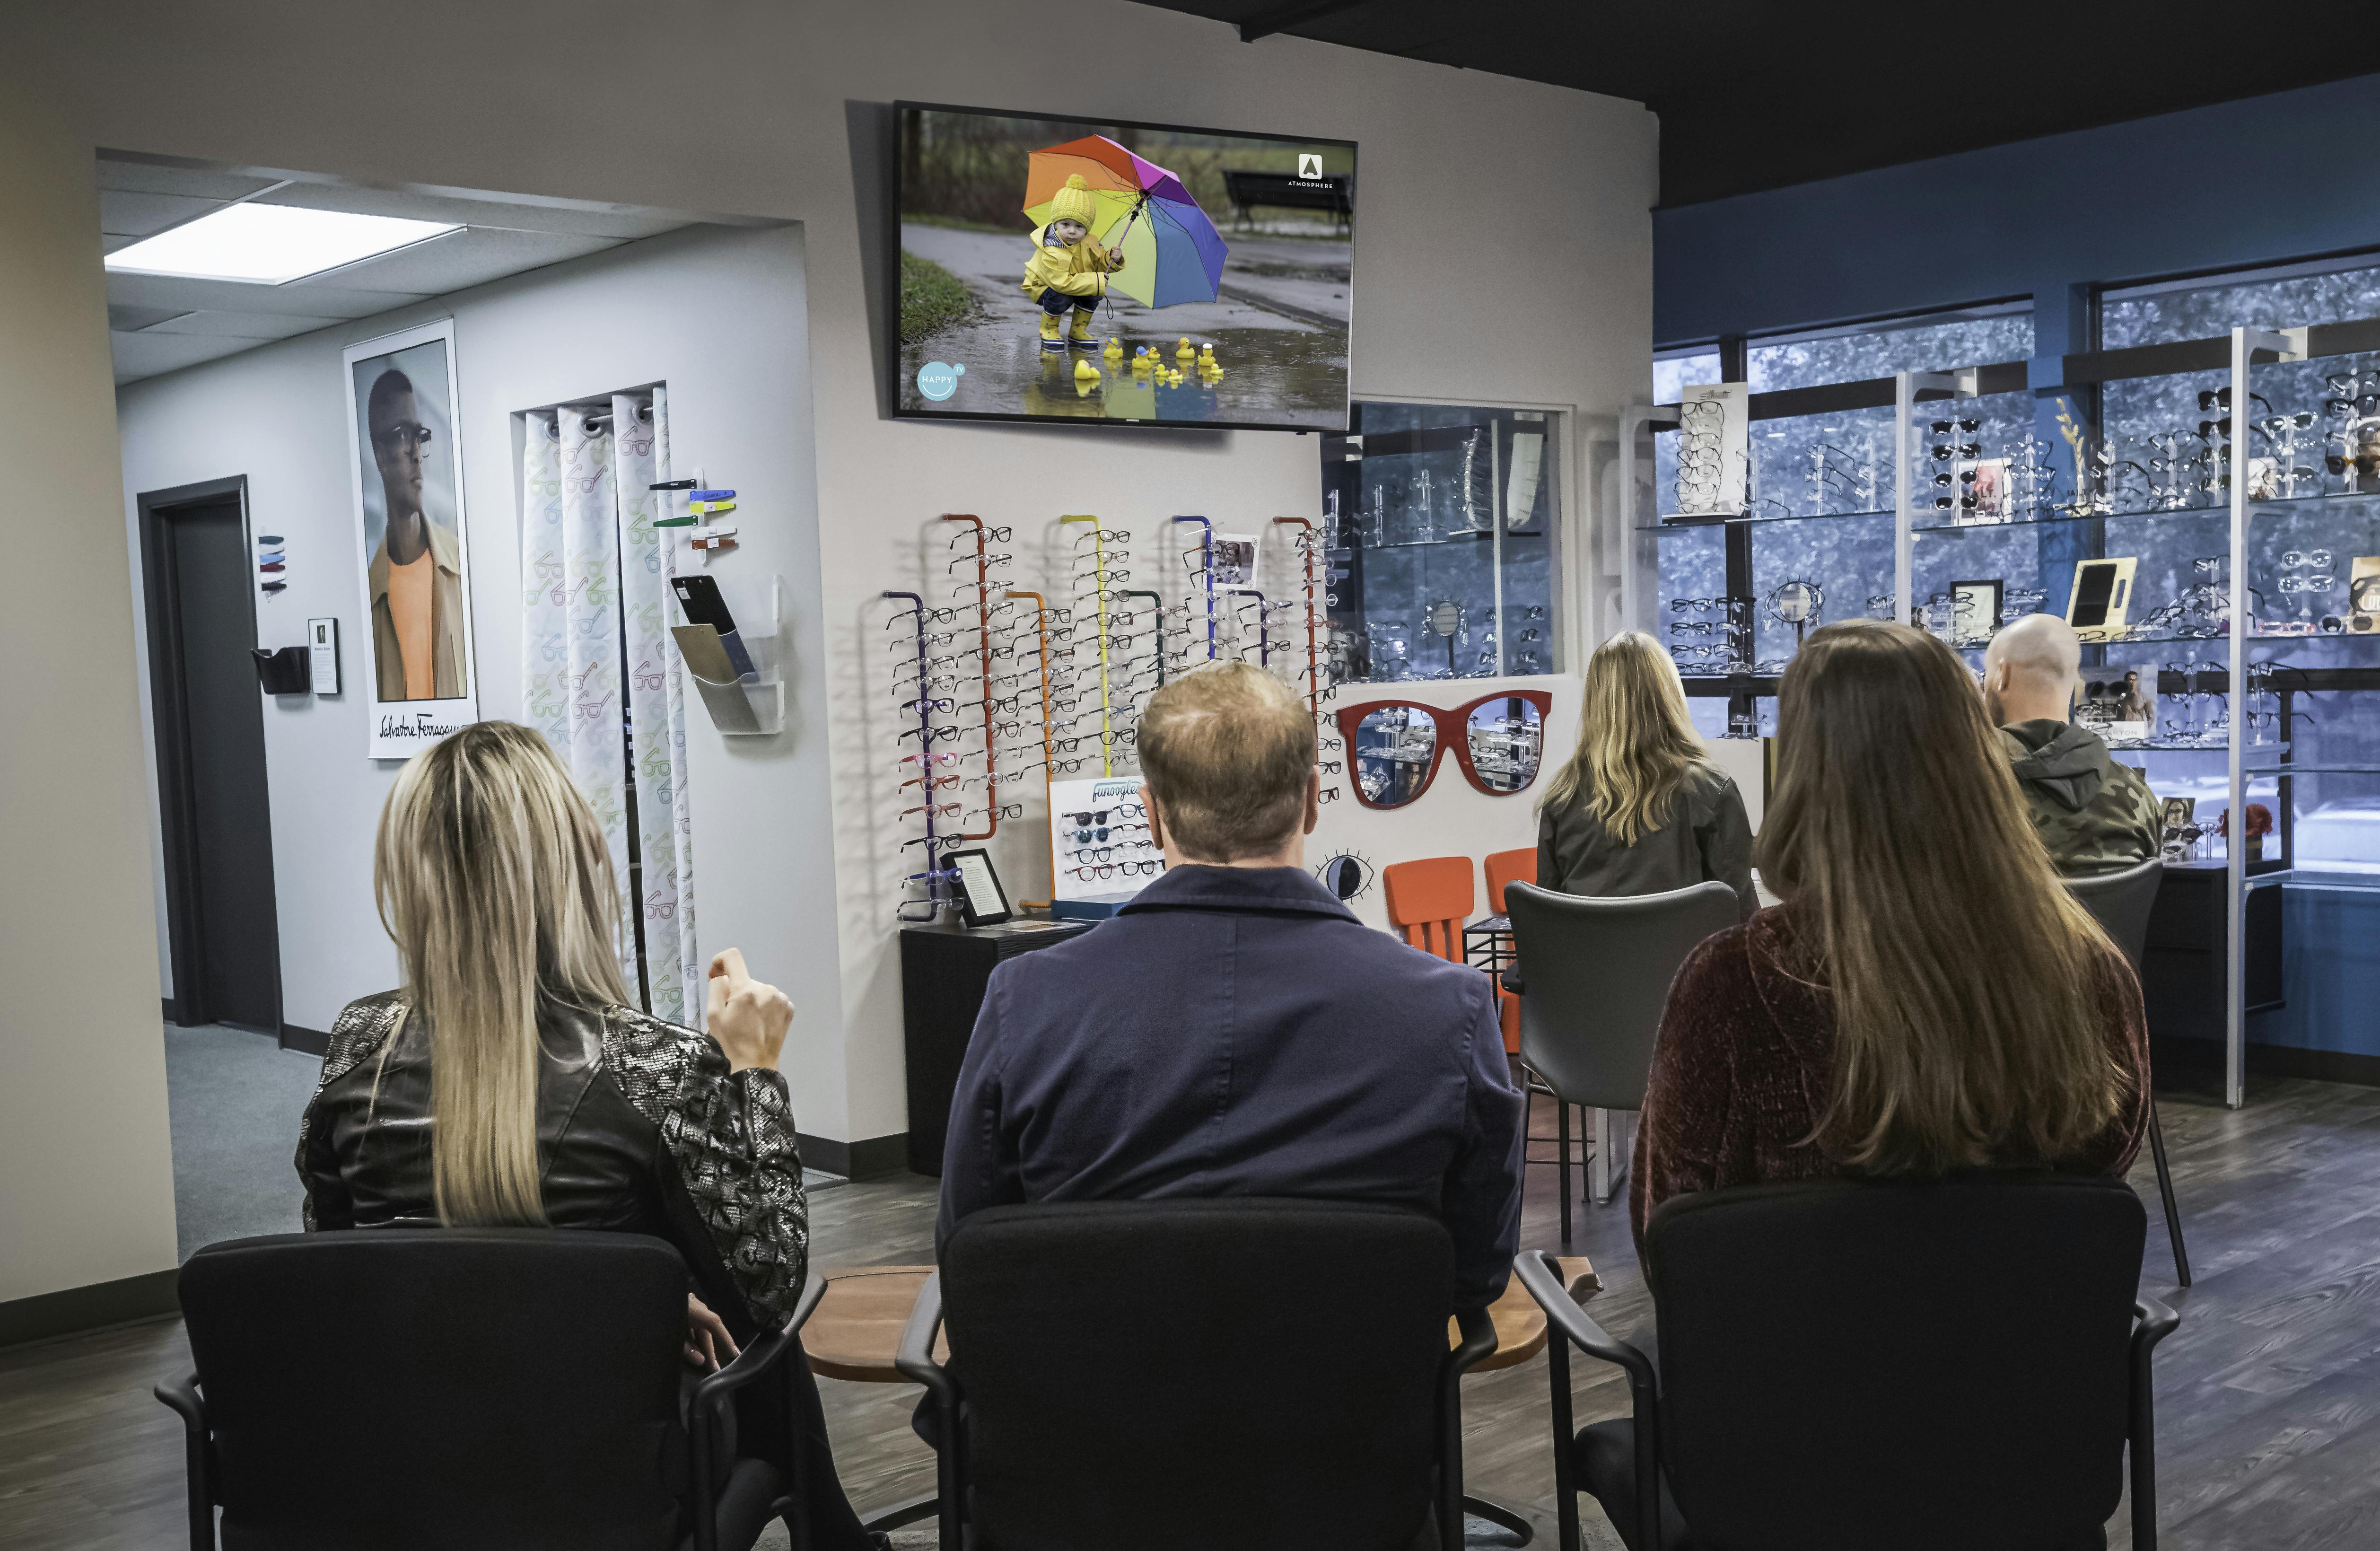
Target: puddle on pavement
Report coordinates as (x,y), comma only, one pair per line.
(1271,377)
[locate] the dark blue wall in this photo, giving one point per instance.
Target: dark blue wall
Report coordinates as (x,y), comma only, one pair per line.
(2264,181)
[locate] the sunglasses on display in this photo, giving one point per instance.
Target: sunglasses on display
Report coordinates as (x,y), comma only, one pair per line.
(1398,745)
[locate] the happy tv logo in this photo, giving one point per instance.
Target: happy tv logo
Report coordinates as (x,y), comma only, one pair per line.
(1308,164)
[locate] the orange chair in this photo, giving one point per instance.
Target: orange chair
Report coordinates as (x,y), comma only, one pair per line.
(1502,867)
(1428,901)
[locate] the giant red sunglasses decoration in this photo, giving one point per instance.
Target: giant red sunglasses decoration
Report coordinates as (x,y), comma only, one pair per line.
(1397,746)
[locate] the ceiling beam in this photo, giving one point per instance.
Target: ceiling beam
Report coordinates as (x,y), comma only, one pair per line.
(1280,19)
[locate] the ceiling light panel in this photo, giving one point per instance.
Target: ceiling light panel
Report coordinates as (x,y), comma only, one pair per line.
(270,245)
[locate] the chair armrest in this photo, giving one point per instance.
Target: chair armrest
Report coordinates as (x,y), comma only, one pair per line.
(2152,1322)
(1513,982)
(1479,1341)
(182,1394)
(1542,1276)
(766,1351)
(914,1360)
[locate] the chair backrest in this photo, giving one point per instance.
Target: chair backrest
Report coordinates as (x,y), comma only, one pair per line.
(1181,1375)
(1508,867)
(2122,902)
(1428,901)
(1598,973)
(1865,1367)
(471,1387)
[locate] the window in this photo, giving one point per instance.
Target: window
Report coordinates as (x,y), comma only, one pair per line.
(1935,342)
(1443,527)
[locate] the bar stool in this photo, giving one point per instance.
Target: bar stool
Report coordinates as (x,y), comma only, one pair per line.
(1501,867)
(1598,980)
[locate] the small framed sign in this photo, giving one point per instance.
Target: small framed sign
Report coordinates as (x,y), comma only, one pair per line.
(1975,611)
(981,898)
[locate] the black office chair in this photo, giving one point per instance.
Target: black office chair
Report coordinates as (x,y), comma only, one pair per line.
(1875,1366)
(1595,979)
(1182,1375)
(2122,902)
(511,1389)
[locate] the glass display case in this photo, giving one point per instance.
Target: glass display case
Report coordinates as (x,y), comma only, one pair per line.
(2143,537)
(1441,530)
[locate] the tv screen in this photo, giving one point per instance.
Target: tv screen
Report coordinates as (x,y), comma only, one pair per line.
(1136,273)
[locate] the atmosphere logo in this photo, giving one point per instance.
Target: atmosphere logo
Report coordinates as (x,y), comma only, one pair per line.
(1308,164)
(939,380)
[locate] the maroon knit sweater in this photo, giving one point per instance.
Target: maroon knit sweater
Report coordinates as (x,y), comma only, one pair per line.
(1742,1066)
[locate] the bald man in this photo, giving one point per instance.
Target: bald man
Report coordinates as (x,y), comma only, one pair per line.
(2092,813)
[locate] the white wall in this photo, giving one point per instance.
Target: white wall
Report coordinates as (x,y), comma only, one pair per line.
(681,308)
(84,1144)
(1504,257)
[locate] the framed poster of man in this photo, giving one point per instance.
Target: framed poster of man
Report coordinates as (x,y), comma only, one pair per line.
(410,533)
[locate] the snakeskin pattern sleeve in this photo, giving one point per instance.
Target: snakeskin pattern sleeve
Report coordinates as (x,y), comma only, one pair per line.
(362,1027)
(731,1135)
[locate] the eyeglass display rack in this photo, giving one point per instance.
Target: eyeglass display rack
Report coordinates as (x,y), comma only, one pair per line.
(2175,502)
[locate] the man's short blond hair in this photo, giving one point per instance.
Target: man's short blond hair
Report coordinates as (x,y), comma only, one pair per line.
(1227,751)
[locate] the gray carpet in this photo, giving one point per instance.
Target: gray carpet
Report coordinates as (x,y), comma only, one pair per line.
(234,1099)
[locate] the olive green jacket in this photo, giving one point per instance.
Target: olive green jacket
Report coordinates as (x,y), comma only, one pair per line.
(2093,813)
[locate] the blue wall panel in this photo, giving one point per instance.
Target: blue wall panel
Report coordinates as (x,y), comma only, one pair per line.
(2331,968)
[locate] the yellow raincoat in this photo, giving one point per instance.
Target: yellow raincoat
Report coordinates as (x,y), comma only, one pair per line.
(1079,271)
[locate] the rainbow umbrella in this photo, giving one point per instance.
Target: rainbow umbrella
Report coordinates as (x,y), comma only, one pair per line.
(1172,251)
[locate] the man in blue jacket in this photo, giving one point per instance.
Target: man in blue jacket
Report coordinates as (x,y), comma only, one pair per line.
(1235,1030)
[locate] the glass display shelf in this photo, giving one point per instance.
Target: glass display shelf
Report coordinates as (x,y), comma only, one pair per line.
(2360,504)
(1700,523)
(1460,535)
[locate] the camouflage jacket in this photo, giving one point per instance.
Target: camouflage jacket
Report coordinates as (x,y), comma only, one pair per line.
(2092,813)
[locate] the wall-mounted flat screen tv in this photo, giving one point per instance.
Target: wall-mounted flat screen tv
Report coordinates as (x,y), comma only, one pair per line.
(1052,269)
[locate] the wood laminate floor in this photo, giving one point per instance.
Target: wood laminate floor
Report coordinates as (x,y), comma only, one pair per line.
(2268,1397)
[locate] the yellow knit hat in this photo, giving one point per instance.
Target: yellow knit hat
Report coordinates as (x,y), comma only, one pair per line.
(1072,202)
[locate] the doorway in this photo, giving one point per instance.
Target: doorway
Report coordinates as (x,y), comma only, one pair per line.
(214,814)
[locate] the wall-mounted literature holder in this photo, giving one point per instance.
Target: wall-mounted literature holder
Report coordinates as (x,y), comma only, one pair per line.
(750,704)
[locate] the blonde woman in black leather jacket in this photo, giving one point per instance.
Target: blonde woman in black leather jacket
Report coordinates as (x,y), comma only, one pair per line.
(510,1081)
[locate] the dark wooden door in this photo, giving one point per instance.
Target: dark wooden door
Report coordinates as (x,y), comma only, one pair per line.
(215,814)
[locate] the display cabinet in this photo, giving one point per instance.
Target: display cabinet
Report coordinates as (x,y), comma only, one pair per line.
(1992,504)
(1441,527)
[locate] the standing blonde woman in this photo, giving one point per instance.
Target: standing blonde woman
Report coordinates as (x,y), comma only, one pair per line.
(1640,808)
(1929,997)
(511,1083)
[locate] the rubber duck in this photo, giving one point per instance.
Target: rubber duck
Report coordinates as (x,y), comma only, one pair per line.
(1207,355)
(1114,351)
(1175,379)
(1085,372)
(1141,359)
(1185,353)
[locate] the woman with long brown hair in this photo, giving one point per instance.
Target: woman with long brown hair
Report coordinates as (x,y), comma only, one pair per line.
(511,1082)
(1929,997)
(1640,808)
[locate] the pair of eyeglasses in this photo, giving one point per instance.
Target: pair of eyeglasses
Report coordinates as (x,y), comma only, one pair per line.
(930,783)
(1944,428)
(989,535)
(1005,810)
(1100,816)
(947,809)
(2220,398)
(1111,535)
(1963,450)
(402,434)
(985,559)
(1398,745)
(929,733)
(1113,869)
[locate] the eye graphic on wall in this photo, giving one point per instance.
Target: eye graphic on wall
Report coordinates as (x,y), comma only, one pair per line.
(1347,875)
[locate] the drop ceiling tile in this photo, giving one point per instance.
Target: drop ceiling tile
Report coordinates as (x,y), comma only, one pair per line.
(232,296)
(147,355)
(139,177)
(242,325)
(622,224)
(122,213)
(457,260)
(129,320)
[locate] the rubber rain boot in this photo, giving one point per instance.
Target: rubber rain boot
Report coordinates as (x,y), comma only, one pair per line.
(1050,336)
